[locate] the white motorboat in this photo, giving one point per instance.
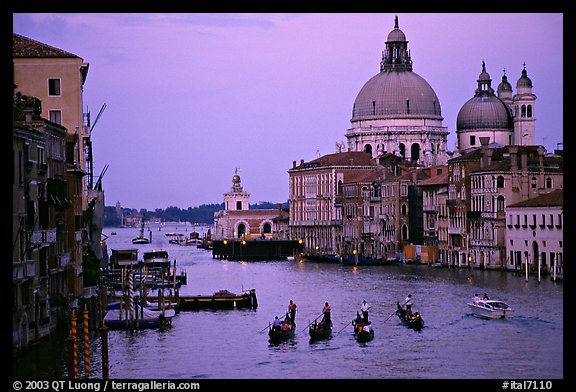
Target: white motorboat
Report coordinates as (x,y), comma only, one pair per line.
(141,318)
(491,309)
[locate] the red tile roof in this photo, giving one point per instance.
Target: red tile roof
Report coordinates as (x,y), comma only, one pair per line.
(25,47)
(552,199)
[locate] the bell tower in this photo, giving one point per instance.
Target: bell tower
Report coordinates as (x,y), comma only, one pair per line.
(524,114)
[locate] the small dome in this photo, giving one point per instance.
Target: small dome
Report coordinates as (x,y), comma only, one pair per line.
(524,80)
(484,76)
(504,85)
(396,35)
(484,112)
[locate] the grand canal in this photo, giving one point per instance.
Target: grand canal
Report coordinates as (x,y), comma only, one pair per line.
(229,345)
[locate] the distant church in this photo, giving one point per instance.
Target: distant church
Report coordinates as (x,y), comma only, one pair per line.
(238,221)
(504,118)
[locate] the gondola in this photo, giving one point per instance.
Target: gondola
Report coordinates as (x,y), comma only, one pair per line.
(283,333)
(363,332)
(415,321)
(320,331)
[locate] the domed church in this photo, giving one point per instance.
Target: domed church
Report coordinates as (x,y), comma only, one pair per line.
(504,118)
(397,111)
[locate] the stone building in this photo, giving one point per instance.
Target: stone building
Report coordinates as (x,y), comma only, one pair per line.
(238,221)
(43,271)
(534,234)
(316,196)
(505,176)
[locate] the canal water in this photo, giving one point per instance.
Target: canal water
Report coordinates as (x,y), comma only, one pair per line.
(233,344)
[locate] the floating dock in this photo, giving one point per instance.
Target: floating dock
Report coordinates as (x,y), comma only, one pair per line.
(253,249)
(222,299)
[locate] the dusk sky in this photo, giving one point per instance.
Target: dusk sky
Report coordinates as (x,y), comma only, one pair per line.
(191,97)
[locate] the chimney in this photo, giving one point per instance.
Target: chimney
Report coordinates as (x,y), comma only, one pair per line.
(541,152)
(280,206)
(483,159)
(524,161)
(301,162)
(513,150)
(293,164)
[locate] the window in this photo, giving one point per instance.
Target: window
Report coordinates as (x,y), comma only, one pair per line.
(403,190)
(238,205)
(55,116)
(529,111)
(472,140)
(548,182)
(500,203)
(54,87)
(523,111)
(533,182)
(500,182)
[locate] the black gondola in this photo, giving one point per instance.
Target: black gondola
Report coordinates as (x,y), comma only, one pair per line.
(284,332)
(320,331)
(363,332)
(414,321)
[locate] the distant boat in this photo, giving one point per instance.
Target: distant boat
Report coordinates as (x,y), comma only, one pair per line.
(141,239)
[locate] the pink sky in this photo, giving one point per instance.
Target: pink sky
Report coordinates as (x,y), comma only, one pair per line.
(191,97)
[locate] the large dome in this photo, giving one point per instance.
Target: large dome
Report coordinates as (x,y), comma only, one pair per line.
(393,94)
(484,112)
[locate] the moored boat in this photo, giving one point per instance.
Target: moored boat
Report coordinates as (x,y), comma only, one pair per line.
(118,317)
(491,309)
(409,319)
(320,330)
(156,258)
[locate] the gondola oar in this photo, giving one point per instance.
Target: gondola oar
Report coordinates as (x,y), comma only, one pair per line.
(397,303)
(310,323)
(345,327)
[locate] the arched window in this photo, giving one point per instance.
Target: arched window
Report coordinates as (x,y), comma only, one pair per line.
(500,203)
(548,182)
(533,182)
(500,182)
(241,230)
(368,148)
(415,152)
(266,228)
(529,111)
(404,232)
(339,188)
(402,148)
(523,111)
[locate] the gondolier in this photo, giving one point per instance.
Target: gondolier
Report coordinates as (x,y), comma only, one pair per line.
(364,308)
(292,311)
(408,302)
(326,312)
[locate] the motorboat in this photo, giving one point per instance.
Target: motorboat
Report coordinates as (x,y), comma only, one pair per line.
(491,309)
(141,317)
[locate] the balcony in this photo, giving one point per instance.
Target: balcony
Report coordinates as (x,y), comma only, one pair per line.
(44,237)
(23,270)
